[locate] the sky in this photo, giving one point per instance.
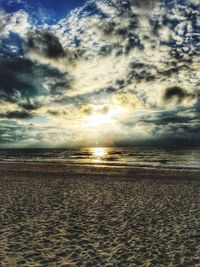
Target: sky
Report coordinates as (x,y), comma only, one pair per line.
(99,73)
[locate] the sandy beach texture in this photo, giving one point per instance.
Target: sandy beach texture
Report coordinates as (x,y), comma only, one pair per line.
(56,215)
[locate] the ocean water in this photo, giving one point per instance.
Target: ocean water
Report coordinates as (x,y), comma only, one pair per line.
(172,158)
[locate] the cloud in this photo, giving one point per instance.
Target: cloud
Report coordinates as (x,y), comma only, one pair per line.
(57,112)
(16,79)
(194,2)
(30,104)
(16,115)
(14,23)
(128,100)
(145,4)
(22,79)
(134,62)
(178,95)
(44,44)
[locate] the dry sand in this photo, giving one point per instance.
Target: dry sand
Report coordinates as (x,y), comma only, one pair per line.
(54,216)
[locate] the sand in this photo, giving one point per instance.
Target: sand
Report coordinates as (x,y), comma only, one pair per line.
(56,216)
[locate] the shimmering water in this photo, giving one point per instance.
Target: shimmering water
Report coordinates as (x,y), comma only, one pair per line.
(127,157)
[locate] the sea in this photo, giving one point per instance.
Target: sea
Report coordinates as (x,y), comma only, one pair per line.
(132,157)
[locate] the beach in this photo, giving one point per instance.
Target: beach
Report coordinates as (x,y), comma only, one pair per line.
(69,215)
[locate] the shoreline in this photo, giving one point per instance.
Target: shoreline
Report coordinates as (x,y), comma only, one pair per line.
(133,172)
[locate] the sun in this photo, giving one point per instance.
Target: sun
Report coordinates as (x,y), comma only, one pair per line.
(97,119)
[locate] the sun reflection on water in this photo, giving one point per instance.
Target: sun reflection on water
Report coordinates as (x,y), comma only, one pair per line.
(98,153)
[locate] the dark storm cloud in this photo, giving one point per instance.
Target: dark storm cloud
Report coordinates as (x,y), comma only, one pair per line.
(177,93)
(166,118)
(16,115)
(175,127)
(179,134)
(171,128)
(22,79)
(14,73)
(29,104)
(11,132)
(45,44)
(162,119)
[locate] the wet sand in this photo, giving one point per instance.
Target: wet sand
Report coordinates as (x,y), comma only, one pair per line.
(59,215)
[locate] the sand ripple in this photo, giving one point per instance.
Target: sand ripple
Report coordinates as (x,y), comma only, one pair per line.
(54,220)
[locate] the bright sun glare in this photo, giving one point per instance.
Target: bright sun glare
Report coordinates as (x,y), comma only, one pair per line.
(99,152)
(98,119)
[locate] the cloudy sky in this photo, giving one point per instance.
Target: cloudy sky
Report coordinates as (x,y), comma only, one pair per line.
(99,73)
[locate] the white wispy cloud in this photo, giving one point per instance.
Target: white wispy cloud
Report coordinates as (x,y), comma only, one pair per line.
(14,22)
